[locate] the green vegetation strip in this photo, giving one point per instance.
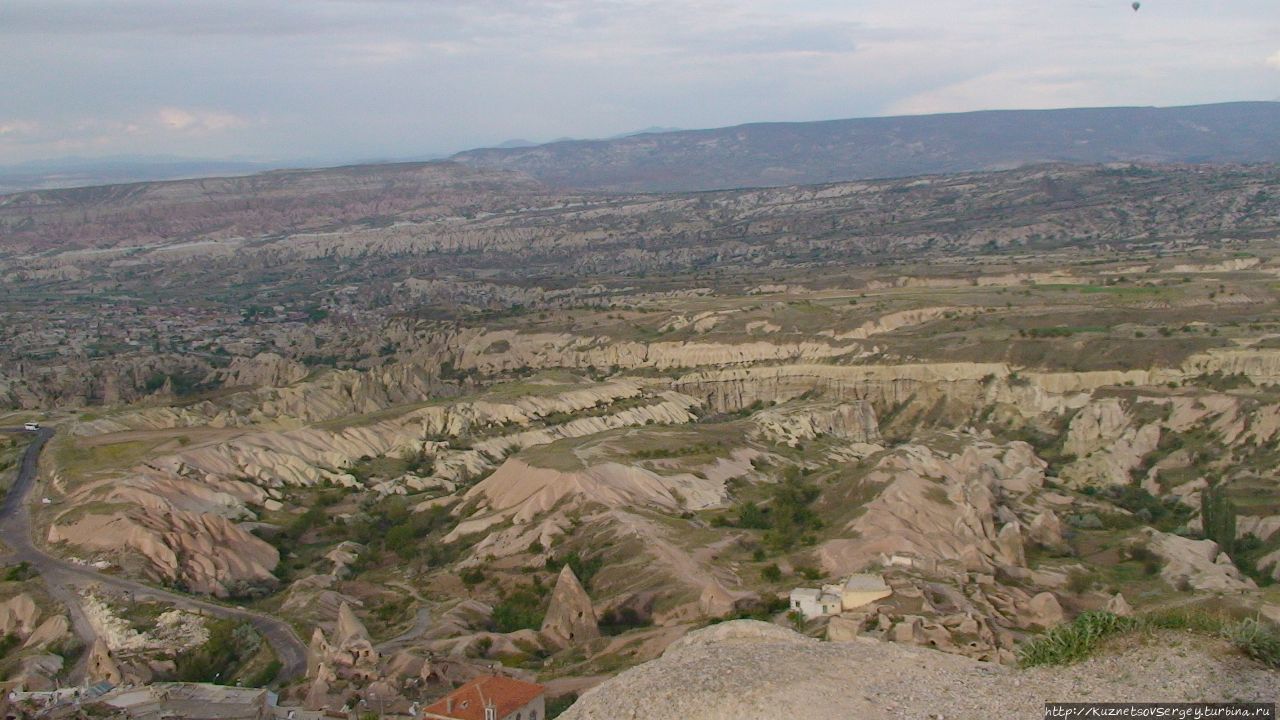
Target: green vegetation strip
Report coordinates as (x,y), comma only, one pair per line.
(1079,639)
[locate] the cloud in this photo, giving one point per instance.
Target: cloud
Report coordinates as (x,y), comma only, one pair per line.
(18,127)
(172,118)
(1274,60)
(384,52)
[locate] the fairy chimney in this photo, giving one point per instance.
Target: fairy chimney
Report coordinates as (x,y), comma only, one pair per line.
(570,619)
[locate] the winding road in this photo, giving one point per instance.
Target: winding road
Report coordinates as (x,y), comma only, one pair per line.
(61,576)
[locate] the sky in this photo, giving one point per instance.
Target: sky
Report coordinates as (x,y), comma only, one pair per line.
(287,80)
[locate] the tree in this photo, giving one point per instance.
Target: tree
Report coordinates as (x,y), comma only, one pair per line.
(1218,518)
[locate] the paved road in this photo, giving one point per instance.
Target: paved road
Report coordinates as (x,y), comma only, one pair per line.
(421,623)
(62,576)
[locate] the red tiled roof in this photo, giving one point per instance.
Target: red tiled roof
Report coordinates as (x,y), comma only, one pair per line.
(507,694)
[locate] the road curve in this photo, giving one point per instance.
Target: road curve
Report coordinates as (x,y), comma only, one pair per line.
(61,576)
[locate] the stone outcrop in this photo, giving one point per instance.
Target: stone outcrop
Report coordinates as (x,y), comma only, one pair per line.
(101,666)
(1196,564)
(51,631)
(520,492)
(37,672)
(184,501)
(1107,444)
(855,422)
(173,631)
(206,553)
(262,370)
(350,653)
(1260,366)
(349,657)
(1046,530)
(1043,612)
(570,619)
(1117,605)
(18,615)
(941,509)
(1270,563)
(747,669)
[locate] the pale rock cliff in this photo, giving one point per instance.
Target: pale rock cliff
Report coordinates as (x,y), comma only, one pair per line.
(939,508)
(1198,563)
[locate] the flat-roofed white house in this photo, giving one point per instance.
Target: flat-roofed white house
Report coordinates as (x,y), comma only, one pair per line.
(862,589)
(812,602)
(854,592)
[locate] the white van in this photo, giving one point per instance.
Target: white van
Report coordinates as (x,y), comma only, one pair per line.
(31,427)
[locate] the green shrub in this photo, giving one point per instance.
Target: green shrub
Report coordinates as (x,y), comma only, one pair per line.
(20,572)
(1248,551)
(584,568)
(808,573)
(521,609)
(229,644)
(557,705)
(1256,639)
(616,621)
(750,516)
(1165,516)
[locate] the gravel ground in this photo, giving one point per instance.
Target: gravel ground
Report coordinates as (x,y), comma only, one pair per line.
(745,669)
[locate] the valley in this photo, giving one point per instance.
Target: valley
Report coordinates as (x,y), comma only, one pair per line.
(434,422)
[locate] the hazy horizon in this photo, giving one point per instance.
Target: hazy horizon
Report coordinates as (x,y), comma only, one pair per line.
(339,80)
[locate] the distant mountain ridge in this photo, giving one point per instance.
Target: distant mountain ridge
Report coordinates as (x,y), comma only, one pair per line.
(797,153)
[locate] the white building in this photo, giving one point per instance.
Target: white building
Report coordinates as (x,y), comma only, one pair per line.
(812,602)
(854,592)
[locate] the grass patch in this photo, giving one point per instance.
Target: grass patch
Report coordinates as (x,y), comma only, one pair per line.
(1074,641)
(76,460)
(1080,638)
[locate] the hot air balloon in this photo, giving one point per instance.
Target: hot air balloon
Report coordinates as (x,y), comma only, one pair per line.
(1135,6)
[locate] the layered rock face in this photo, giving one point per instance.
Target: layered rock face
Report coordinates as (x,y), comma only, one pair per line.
(573,351)
(521,492)
(855,422)
(262,370)
(203,552)
(943,510)
(883,386)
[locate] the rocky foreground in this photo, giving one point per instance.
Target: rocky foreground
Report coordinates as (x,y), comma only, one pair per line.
(747,669)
